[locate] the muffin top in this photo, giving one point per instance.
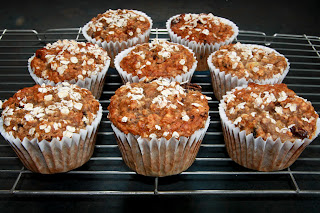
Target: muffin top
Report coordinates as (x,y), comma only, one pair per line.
(202,28)
(118,25)
(47,112)
(158,59)
(270,111)
(247,61)
(68,60)
(158,109)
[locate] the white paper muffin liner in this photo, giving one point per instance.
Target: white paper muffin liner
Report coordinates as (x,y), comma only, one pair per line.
(95,83)
(128,77)
(113,48)
(56,156)
(223,83)
(159,157)
(201,50)
(259,154)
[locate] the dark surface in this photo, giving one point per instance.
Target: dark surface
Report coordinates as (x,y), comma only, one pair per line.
(292,17)
(156,204)
(269,17)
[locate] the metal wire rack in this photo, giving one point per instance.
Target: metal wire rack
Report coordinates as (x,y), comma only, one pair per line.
(213,172)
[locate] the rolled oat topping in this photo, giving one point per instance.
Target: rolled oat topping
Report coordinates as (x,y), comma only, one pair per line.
(158,59)
(118,25)
(158,109)
(271,111)
(201,28)
(249,61)
(47,112)
(67,60)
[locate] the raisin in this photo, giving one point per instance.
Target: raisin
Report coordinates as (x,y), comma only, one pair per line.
(203,115)
(176,20)
(41,53)
(299,132)
(225,65)
(151,79)
(254,132)
(155,57)
(191,86)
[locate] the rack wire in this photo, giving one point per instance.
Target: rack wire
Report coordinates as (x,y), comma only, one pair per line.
(213,172)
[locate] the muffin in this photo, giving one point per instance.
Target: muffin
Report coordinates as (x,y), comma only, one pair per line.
(266,127)
(159,125)
(203,33)
(238,64)
(52,129)
(157,59)
(116,30)
(80,63)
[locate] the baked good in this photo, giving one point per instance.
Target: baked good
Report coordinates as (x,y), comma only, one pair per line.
(159,58)
(266,127)
(51,129)
(203,33)
(80,63)
(116,30)
(159,125)
(238,64)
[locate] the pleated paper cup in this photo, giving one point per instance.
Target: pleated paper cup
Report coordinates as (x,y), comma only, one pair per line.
(159,157)
(56,156)
(113,48)
(95,83)
(201,50)
(222,82)
(258,154)
(128,77)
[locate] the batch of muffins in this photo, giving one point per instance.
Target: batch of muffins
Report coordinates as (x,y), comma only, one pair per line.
(158,117)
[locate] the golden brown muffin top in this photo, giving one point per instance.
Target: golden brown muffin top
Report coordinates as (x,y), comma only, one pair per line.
(248,61)
(68,60)
(158,109)
(158,59)
(47,112)
(202,28)
(271,111)
(118,25)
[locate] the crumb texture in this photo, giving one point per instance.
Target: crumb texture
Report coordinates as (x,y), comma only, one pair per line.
(118,25)
(158,109)
(158,59)
(202,28)
(271,111)
(252,62)
(47,112)
(67,60)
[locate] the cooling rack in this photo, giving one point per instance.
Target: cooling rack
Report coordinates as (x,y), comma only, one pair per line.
(213,172)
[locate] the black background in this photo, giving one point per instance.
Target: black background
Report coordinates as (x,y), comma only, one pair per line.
(289,17)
